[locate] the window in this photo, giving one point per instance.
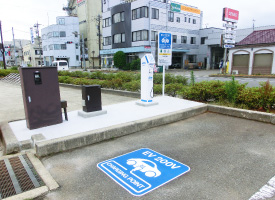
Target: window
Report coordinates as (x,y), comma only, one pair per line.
(51,47)
(44,37)
(194,21)
(184,39)
(119,17)
(155,13)
(170,16)
(192,58)
(62,33)
(107,22)
(107,41)
(154,35)
(193,40)
(37,52)
(140,13)
(50,34)
(174,39)
(57,47)
(178,19)
(76,45)
(140,35)
(203,40)
(77,57)
(185,19)
(119,38)
(63,46)
(55,34)
(61,21)
(44,49)
(189,20)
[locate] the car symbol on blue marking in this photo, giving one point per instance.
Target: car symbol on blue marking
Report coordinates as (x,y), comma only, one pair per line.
(148,167)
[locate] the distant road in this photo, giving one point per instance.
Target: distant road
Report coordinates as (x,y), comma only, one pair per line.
(203,75)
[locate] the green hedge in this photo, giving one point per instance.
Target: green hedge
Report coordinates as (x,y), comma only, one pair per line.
(5,72)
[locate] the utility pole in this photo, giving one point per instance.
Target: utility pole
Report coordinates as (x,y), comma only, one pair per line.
(3,47)
(253,24)
(37,32)
(98,20)
(14,49)
(83,53)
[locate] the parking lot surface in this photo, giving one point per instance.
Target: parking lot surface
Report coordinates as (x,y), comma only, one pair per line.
(230,158)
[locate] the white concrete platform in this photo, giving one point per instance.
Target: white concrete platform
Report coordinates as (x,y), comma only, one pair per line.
(116,114)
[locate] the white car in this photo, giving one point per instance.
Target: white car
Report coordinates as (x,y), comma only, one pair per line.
(62,65)
(148,167)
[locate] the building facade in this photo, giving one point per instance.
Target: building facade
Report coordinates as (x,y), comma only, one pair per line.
(14,52)
(61,41)
(89,15)
(254,54)
(132,27)
(32,54)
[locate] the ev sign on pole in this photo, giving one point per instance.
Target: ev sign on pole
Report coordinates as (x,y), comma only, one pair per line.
(143,170)
(164,53)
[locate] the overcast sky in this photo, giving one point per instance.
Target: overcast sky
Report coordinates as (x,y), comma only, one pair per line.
(23,14)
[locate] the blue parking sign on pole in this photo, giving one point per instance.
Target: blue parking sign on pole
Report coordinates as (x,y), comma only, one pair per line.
(143,170)
(164,48)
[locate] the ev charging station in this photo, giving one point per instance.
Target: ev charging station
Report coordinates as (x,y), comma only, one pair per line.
(147,73)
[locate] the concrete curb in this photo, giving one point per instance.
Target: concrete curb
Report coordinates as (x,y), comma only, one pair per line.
(49,147)
(241,113)
(9,140)
(106,91)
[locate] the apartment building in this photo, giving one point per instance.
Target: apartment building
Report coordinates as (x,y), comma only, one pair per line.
(89,15)
(132,27)
(14,51)
(61,41)
(33,54)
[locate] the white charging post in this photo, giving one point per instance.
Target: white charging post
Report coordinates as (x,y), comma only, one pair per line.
(147,74)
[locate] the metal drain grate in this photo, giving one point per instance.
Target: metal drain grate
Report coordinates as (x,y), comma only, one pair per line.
(17,175)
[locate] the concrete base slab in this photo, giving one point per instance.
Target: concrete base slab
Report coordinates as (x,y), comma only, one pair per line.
(91,114)
(146,104)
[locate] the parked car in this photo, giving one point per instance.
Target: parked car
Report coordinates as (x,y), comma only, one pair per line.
(62,65)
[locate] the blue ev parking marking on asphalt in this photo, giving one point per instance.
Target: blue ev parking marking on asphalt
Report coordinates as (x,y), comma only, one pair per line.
(143,170)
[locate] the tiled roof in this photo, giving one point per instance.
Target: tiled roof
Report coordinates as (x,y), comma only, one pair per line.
(259,37)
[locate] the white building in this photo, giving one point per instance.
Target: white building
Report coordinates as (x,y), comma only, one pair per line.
(132,26)
(60,43)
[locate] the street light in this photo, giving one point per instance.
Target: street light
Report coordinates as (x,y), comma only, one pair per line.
(83,48)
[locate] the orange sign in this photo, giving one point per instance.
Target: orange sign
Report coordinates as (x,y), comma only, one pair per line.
(190,9)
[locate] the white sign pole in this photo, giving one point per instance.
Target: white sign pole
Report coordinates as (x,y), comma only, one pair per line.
(163,81)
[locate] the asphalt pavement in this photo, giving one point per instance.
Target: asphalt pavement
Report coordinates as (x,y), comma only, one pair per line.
(230,158)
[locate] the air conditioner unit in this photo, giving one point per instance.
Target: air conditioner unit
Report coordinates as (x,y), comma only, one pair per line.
(235,72)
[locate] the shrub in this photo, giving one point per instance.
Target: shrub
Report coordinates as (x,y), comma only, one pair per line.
(120,59)
(249,97)
(267,98)
(98,75)
(157,89)
(231,90)
(135,65)
(133,86)
(5,72)
(204,91)
(192,78)
(126,67)
(173,88)
(124,76)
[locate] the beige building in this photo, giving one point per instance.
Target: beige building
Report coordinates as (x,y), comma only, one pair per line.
(31,54)
(88,12)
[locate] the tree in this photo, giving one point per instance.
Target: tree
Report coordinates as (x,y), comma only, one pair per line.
(120,59)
